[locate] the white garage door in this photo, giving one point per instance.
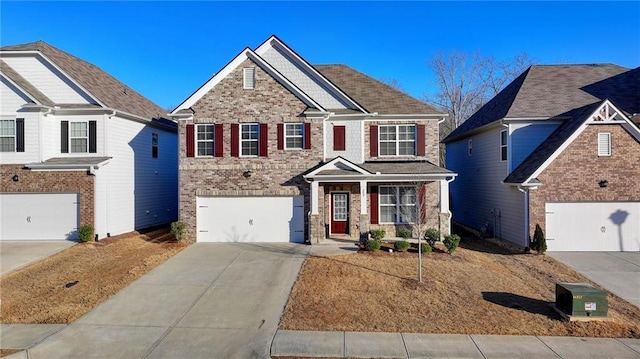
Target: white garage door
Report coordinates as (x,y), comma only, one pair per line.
(250,219)
(593,226)
(39,216)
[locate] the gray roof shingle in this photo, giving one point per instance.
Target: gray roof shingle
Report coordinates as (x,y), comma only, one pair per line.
(372,94)
(24,84)
(107,89)
(547,91)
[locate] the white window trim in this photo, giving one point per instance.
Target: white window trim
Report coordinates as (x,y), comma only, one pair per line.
(249,78)
(212,140)
(397,204)
(301,136)
(505,146)
(71,138)
(397,140)
(257,140)
(602,151)
(14,136)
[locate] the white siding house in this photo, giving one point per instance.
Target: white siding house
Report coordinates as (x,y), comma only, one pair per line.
(77,142)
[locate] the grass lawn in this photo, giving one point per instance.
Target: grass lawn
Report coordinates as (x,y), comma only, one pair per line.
(480,289)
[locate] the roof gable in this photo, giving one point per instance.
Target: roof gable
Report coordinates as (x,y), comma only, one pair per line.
(21,84)
(552,91)
(245,54)
(107,90)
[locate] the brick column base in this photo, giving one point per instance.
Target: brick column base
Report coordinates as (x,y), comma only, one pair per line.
(317,229)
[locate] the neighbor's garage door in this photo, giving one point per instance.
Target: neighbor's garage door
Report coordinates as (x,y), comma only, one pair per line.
(39,216)
(593,226)
(250,219)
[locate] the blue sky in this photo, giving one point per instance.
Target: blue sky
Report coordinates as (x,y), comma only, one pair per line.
(166,50)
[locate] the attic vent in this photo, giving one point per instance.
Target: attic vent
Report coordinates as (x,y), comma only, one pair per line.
(249,80)
(604,144)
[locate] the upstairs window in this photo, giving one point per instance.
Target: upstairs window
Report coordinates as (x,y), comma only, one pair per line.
(249,137)
(7,135)
(397,204)
(154,145)
(470,147)
(249,78)
(604,144)
(397,140)
(205,140)
(78,137)
(294,135)
(503,145)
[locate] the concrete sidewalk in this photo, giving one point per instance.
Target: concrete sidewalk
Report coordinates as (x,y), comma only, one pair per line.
(412,345)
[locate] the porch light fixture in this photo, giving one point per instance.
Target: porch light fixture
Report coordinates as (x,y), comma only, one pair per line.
(247,174)
(603,183)
(15,178)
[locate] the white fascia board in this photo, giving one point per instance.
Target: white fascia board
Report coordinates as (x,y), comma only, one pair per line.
(227,69)
(577,133)
(274,41)
(332,165)
(20,88)
(383,178)
(71,79)
(417,117)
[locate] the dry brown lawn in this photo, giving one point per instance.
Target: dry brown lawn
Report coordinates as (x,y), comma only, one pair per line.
(44,292)
(480,289)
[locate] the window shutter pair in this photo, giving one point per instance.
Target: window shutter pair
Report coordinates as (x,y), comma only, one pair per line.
(64,137)
(420,140)
(263,140)
(191,141)
(306,136)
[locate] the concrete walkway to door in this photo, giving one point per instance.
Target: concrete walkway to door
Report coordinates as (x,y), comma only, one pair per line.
(210,300)
(617,272)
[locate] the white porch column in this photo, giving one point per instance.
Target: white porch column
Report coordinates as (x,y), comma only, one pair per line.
(314,197)
(363,197)
(444,196)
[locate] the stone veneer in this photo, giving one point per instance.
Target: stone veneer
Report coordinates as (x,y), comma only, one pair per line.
(52,182)
(575,173)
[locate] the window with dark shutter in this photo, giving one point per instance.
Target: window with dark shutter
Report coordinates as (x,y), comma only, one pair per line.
(373,140)
(235,140)
(420,134)
(64,136)
(264,140)
(307,136)
(19,134)
(190,140)
(219,140)
(339,141)
(280,131)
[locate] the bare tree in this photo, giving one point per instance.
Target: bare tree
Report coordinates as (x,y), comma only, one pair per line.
(393,83)
(466,82)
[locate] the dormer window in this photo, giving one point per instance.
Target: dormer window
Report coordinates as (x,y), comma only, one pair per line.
(249,78)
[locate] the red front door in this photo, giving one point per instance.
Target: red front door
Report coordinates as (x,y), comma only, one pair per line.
(340,213)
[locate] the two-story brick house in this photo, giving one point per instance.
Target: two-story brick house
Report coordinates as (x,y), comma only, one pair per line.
(557,147)
(274,149)
(77,146)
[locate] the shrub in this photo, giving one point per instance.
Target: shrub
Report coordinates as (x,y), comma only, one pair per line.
(432,235)
(373,245)
(179,230)
(404,232)
(401,246)
(378,234)
(85,233)
(451,242)
(426,248)
(539,242)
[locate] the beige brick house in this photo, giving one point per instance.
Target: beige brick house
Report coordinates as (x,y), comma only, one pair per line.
(557,147)
(274,149)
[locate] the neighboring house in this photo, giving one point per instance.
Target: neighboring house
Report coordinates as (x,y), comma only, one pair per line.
(275,149)
(79,147)
(557,147)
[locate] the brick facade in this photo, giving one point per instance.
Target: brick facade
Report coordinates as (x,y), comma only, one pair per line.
(574,175)
(52,182)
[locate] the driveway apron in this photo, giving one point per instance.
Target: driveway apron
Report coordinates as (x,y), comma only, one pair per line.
(210,300)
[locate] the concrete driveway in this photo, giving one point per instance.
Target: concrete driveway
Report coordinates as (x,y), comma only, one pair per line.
(210,300)
(17,254)
(617,272)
